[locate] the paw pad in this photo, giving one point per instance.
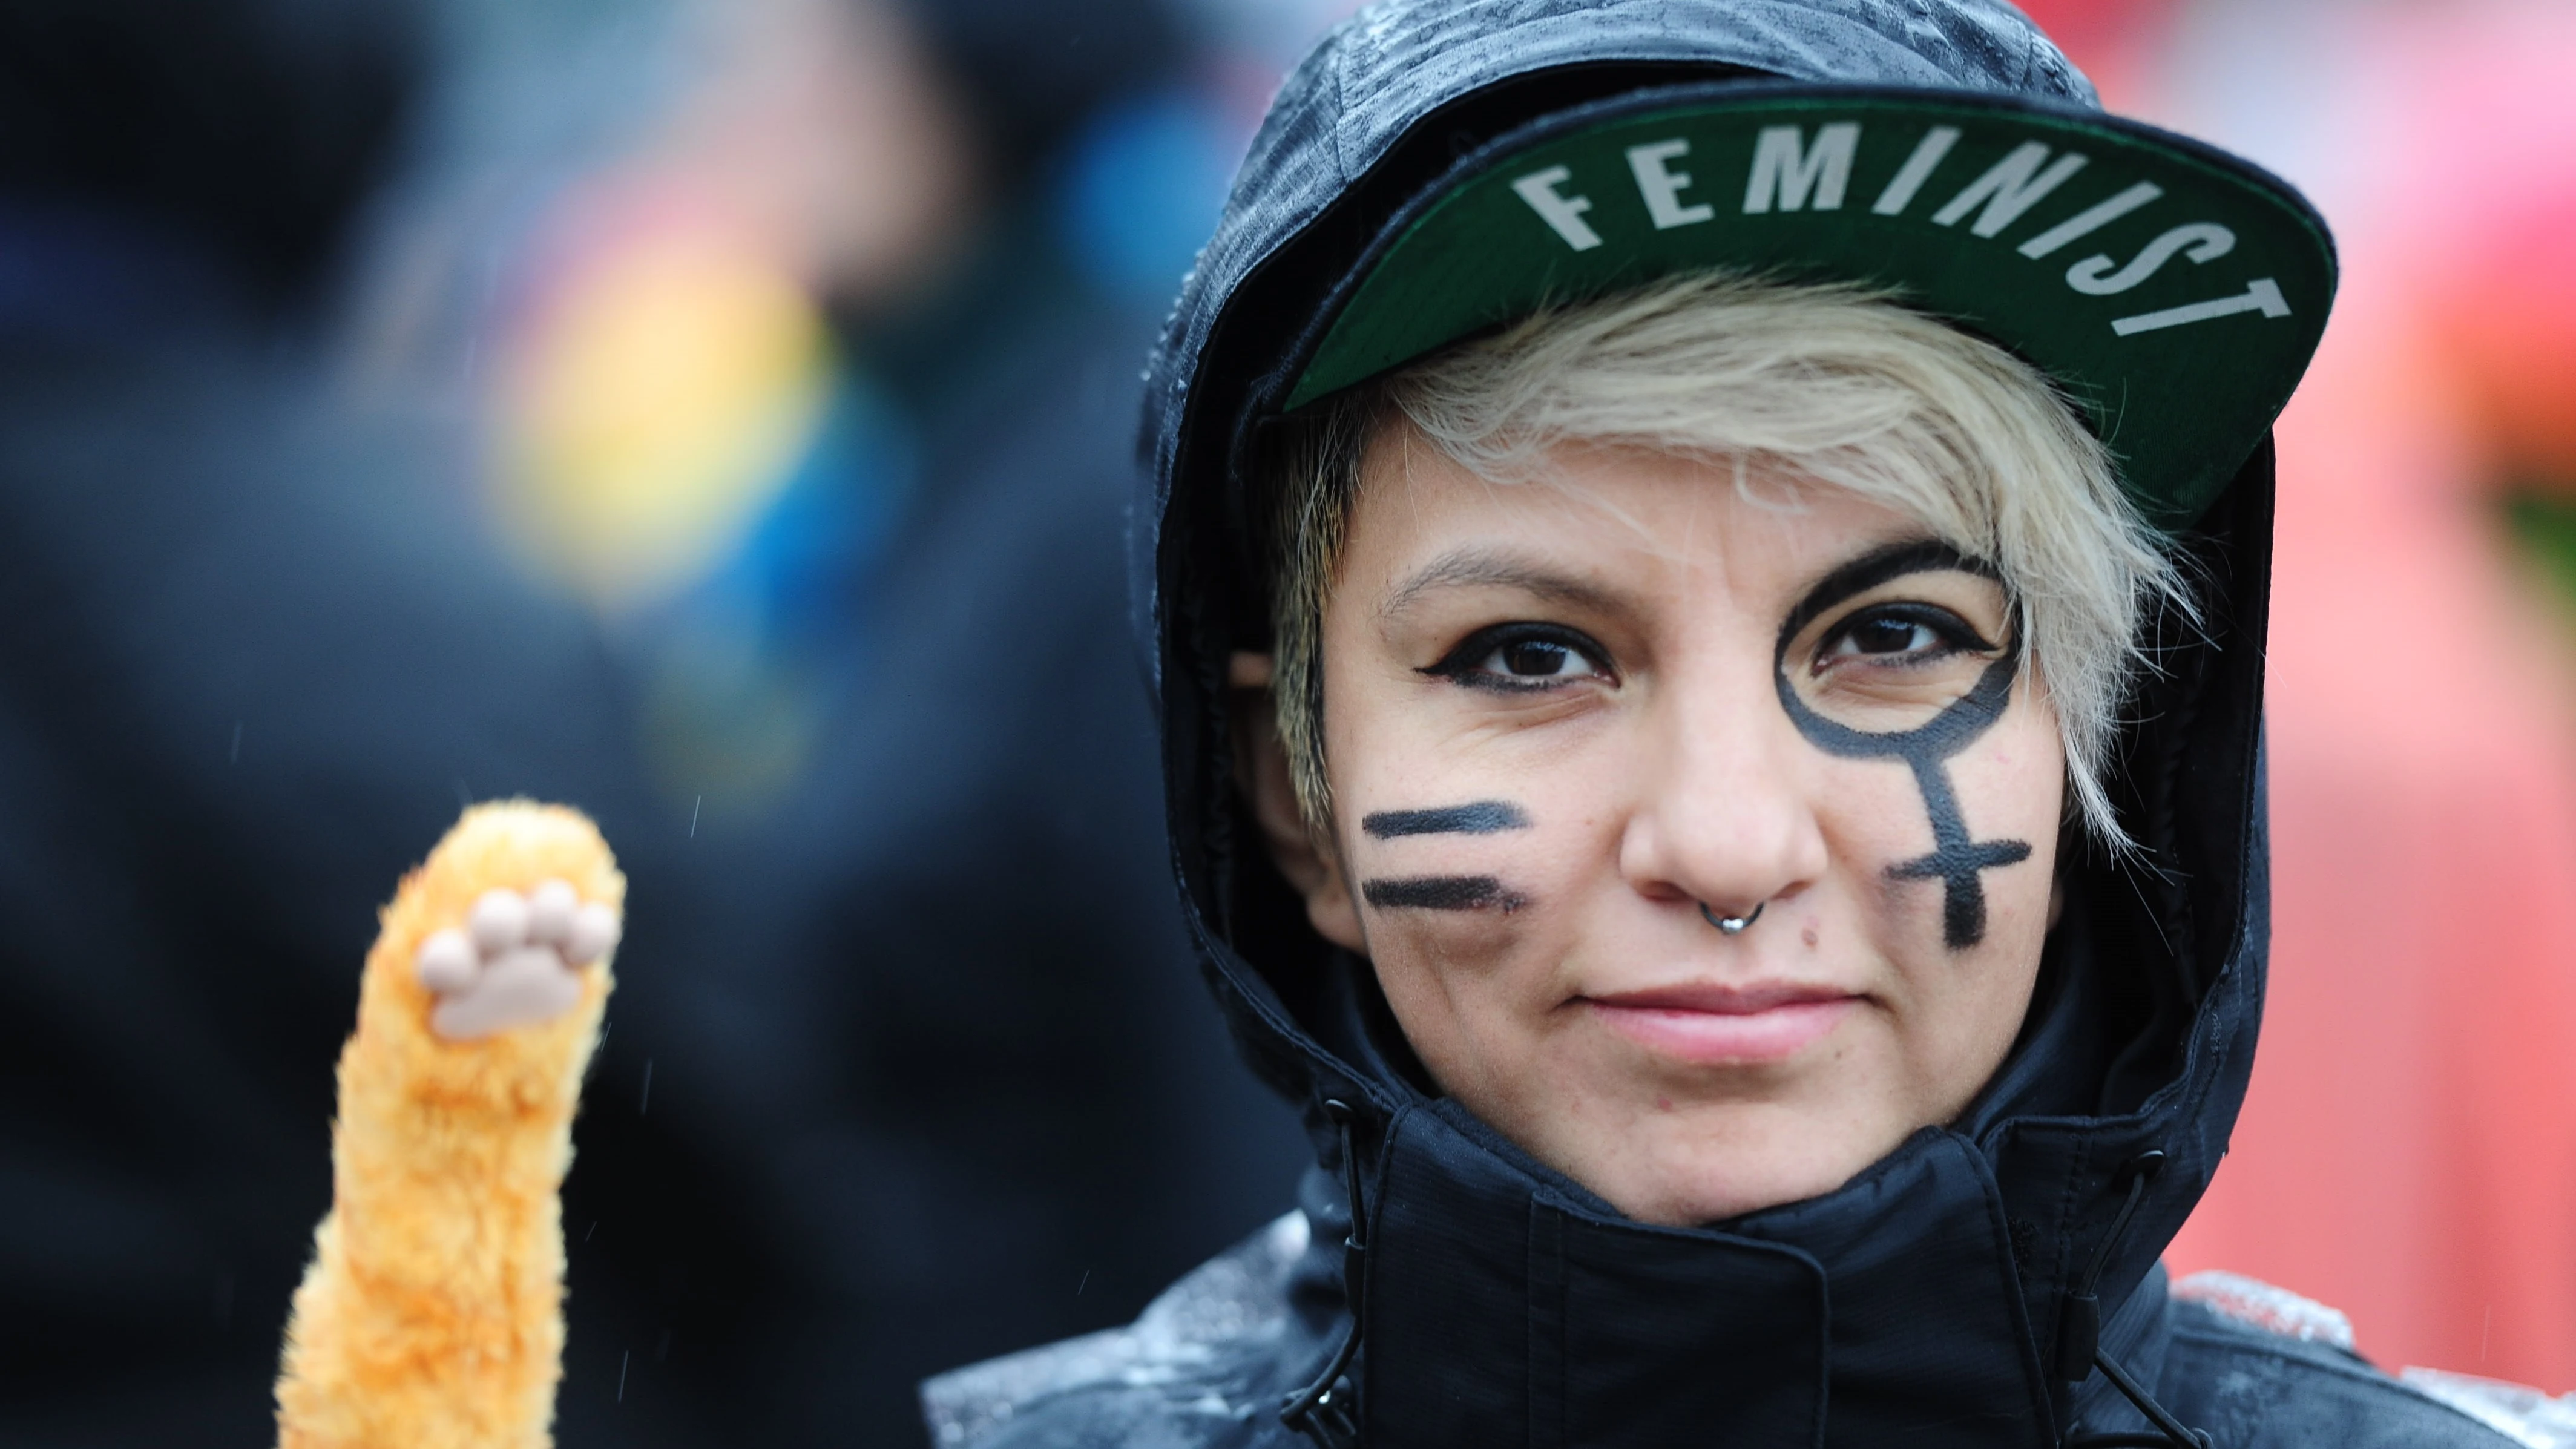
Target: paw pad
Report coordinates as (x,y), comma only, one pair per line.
(515,962)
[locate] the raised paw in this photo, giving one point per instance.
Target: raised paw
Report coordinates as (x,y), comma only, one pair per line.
(517,962)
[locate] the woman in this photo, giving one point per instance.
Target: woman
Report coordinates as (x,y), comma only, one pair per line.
(1709,581)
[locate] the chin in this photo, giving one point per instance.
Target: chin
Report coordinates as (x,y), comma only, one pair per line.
(1710,1183)
(1698,1204)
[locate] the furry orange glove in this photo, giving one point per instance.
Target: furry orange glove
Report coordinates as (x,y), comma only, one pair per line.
(431,1317)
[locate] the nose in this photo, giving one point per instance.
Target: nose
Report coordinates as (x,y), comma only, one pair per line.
(1724,816)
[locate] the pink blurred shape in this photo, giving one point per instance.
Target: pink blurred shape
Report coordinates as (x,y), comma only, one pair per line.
(2408,1150)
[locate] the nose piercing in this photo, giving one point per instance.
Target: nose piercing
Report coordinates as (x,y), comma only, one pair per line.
(1731,925)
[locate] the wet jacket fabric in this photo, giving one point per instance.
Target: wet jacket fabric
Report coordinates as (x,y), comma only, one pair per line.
(1986,1282)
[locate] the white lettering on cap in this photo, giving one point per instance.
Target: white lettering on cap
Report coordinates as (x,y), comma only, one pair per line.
(2260,295)
(2204,241)
(1918,168)
(2090,220)
(2010,187)
(1563,214)
(1784,169)
(1662,187)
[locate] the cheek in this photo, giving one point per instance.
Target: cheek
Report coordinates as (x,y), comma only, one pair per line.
(1464,984)
(1476,990)
(2008,788)
(1873,816)
(1467,912)
(1407,805)
(2012,783)
(1965,1006)
(1461,924)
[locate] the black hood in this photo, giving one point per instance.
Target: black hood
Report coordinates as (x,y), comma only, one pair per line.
(1931,1298)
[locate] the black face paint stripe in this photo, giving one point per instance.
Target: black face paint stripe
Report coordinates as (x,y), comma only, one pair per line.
(1484,817)
(1956,860)
(1441,893)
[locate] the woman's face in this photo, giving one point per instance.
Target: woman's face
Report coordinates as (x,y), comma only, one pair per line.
(1573,723)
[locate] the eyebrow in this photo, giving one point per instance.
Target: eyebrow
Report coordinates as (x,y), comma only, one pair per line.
(1487,568)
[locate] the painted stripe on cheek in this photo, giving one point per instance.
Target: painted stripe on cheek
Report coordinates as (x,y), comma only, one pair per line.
(1484,817)
(1442,893)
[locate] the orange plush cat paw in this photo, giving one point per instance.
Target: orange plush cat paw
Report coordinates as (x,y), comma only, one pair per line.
(517,960)
(432,1313)
(507,925)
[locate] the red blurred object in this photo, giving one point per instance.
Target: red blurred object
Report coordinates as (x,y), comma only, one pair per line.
(2506,324)
(2088,29)
(2109,40)
(2408,1147)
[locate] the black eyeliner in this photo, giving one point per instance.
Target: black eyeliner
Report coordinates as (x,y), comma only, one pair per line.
(1957,633)
(1921,556)
(1458,666)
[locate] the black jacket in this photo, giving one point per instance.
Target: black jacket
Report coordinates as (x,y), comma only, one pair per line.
(1988,1281)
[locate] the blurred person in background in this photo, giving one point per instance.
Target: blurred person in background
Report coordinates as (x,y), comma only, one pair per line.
(820,398)
(815,386)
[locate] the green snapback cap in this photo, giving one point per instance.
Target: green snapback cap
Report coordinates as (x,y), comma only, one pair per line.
(2173,292)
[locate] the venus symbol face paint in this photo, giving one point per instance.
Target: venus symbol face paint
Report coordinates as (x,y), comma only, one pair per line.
(1956,860)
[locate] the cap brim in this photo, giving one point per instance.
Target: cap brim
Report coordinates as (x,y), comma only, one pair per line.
(2173,292)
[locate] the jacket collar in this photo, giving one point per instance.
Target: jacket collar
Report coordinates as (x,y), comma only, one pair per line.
(1500,1308)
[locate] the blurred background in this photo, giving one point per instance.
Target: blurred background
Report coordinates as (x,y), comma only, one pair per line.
(719,413)
(2408,1148)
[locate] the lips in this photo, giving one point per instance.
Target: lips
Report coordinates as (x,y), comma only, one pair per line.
(1706,1024)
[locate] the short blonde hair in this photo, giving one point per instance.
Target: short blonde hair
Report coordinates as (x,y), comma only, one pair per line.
(1834,384)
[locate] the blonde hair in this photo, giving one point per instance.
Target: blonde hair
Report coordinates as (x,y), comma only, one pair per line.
(1833,384)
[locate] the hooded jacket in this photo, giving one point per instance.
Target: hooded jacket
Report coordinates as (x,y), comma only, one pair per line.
(1993,1281)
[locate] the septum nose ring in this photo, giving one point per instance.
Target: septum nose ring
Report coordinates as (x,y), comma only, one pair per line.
(1731,925)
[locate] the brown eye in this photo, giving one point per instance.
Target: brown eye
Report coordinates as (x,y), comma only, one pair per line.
(1901,634)
(1886,636)
(1522,656)
(1536,659)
